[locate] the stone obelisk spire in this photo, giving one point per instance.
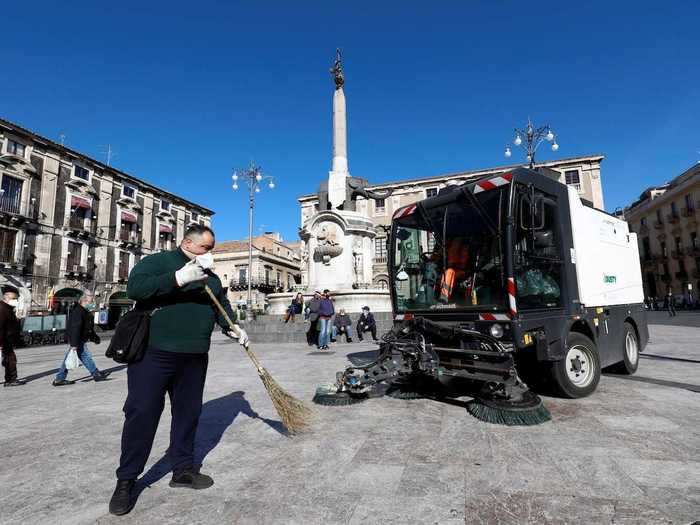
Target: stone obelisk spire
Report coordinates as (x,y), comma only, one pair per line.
(337,188)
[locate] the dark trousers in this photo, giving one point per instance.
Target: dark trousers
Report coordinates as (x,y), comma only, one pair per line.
(182,377)
(9,361)
(372,329)
(312,333)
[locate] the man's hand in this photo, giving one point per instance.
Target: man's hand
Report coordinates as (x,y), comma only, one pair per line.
(190,273)
(238,333)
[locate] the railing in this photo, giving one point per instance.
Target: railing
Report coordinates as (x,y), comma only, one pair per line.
(128,236)
(687,212)
(79,224)
(11,203)
(576,186)
(380,260)
(258,282)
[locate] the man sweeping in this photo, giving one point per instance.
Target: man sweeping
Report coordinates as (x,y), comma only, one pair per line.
(172,285)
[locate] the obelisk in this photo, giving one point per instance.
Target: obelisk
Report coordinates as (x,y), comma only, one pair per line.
(339,173)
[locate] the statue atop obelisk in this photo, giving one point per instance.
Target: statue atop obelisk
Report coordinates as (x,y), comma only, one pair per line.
(337,177)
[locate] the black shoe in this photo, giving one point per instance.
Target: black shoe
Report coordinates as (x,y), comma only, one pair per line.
(189,479)
(101,376)
(333,340)
(62,382)
(349,339)
(16,382)
(121,502)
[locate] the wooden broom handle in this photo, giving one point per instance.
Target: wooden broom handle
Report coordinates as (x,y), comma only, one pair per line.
(232,326)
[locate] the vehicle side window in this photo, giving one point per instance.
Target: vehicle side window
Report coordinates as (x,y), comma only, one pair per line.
(537,251)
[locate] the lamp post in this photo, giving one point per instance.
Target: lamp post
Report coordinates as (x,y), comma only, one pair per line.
(533,139)
(253,177)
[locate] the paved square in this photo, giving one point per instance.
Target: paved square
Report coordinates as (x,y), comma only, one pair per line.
(628,454)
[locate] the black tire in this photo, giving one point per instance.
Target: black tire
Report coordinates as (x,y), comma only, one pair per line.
(582,362)
(630,352)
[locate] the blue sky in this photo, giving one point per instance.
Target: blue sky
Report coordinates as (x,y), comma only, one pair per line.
(186,91)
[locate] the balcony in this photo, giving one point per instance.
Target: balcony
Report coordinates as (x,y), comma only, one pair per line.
(129,239)
(679,253)
(257,282)
(380,260)
(80,227)
(76,271)
(11,211)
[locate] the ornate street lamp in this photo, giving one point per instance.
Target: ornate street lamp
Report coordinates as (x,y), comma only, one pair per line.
(254,178)
(533,139)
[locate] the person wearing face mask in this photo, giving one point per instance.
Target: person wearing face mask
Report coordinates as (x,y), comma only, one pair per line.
(80,329)
(9,334)
(170,284)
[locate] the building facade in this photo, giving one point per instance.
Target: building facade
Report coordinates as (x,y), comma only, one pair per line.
(69,223)
(665,219)
(276,268)
(581,172)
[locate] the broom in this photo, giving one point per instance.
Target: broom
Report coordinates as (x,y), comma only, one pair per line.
(295,415)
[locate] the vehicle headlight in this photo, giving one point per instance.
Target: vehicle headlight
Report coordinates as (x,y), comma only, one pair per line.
(496,331)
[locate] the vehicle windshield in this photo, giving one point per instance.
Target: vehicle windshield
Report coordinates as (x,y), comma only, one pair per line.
(449,255)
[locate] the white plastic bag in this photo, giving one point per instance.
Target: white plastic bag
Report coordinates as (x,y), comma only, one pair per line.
(72,361)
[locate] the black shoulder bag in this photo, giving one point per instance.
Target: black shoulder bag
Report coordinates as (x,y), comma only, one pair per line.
(130,337)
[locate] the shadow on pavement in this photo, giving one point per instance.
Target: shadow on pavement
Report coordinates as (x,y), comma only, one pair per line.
(653,381)
(217,415)
(53,372)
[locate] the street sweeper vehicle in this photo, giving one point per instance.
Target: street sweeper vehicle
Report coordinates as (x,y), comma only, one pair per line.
(501,282)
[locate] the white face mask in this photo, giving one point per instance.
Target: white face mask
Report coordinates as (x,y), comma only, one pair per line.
(205,260)
(14,303)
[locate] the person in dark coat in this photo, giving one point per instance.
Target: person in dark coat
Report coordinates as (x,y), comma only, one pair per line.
(171,284)
(366,323)
(9,334)
(295,308)
(80,329)
(326,311)
(670,303)
(342,324)
(312,308)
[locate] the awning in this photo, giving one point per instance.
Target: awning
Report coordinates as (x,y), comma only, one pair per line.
(165,228)
(128,217)
(80,202)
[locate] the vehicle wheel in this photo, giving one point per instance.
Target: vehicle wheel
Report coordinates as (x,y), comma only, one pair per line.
(630,353)
(577,375)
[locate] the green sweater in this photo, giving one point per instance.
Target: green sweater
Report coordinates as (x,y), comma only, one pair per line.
(185,316)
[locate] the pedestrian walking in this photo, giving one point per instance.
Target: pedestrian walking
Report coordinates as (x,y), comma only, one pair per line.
(342,324)
(326,310)
(9,334)
(295,308)
(170,284)
(671,304)
(366,323)
(312,312)
(80,329)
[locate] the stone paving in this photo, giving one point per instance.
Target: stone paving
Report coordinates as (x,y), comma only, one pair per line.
(630,453)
